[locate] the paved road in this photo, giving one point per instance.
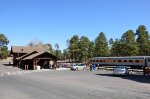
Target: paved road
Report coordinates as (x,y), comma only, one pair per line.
(6,70)
(73,85)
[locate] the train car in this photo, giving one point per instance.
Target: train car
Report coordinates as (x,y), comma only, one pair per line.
(142,61)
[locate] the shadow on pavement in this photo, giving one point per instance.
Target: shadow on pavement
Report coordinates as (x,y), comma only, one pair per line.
(133,77)
(7,64)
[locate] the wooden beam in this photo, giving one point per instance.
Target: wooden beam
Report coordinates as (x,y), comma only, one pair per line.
(44,58)
(34,65)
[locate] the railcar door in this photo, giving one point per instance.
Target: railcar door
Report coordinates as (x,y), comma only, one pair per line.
(148,61)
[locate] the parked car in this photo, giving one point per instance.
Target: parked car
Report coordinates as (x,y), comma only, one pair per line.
(121,70)
(78,67)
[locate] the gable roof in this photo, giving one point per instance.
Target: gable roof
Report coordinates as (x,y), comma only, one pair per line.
(26,55)
(37,54)
(26,49)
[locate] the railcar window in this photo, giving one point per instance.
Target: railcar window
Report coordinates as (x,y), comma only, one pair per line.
(130,61)
(102,60)
(97,60)
(137,61)
(149,60)
(125,60)
(119,60)
(142,61)
(93,60)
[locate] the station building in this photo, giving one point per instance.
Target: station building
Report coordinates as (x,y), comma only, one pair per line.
(29,58)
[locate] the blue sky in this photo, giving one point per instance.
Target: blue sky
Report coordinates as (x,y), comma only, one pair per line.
(55,21)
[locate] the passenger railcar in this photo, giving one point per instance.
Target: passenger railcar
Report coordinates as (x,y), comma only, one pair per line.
(127,61)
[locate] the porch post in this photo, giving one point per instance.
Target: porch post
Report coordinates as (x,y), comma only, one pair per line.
(34,64)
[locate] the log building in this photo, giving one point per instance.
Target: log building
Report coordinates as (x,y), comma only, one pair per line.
(31,57)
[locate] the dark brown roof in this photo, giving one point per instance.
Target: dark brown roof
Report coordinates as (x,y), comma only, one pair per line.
(37,54)
(26,49)
(26,55)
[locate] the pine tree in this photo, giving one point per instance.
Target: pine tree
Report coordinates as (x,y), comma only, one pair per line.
(129,45)
(3,46)
(143,40)
(101,45)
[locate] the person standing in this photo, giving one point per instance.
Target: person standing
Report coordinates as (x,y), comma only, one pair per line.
(90,67)
(94,67)
(55,66)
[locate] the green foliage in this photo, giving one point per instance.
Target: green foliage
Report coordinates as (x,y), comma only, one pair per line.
(143,40)
(84,49)
(101,46)
(66,54)
(57,46)
(3,48)
(126,46)
(111,41)
(58,54)
(91,50)
(50,48)
(4,54)
(116,47)
(74,47)
(129,45)
(3,40)
(79,49)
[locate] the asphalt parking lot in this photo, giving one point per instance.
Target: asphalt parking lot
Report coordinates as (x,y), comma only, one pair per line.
(66,84)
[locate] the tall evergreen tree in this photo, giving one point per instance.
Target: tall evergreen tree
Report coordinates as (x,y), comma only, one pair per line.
(84,48)
(111,41)
(3,40)
(66,54)
(91,51)
(143,40)
(74,47)
(116,47)
(57,51)
(129,45)
(101,45)
(49,47)
(3,46)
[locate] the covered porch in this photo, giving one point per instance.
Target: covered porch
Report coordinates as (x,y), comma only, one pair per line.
(35,60)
